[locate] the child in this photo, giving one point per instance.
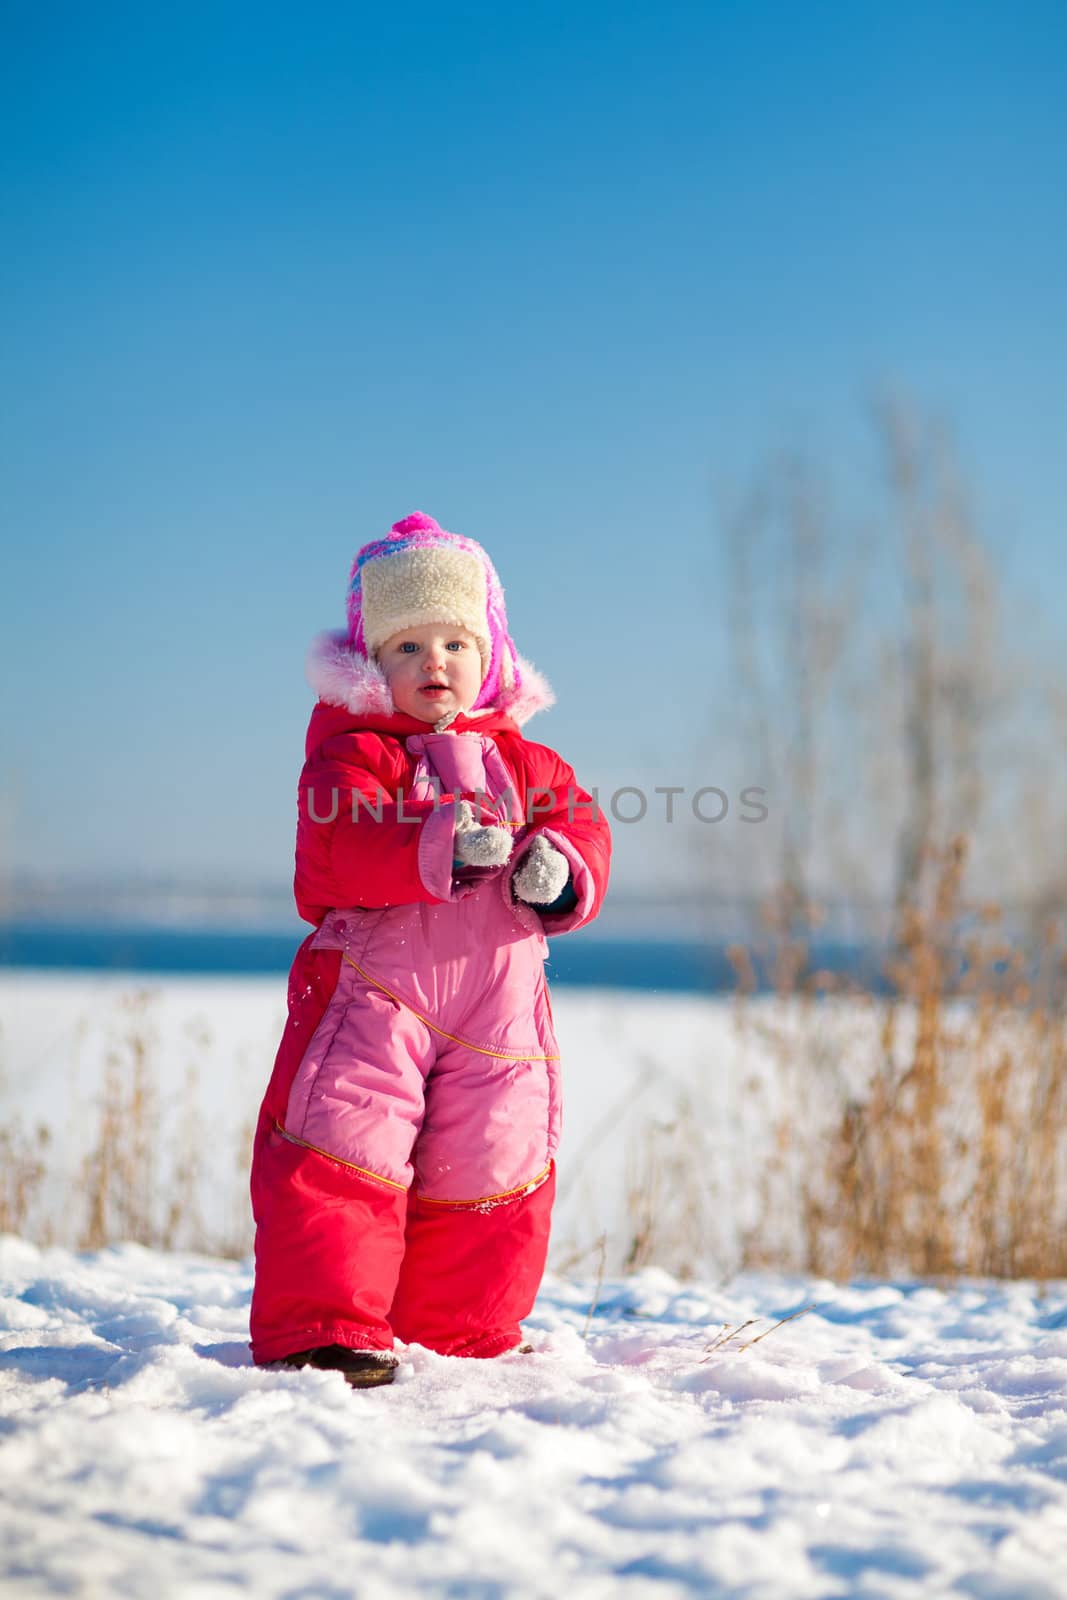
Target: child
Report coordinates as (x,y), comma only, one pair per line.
(403,1173)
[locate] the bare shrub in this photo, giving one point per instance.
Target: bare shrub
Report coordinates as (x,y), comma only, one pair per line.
(118,1175)
(918,1131)
(22,1171)
(142,1178)
(918,1118)
(954,1159)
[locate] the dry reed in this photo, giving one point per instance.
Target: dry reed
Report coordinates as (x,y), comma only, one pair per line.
(954,1160)
(22,1172)
(143,1175)
(920,1131)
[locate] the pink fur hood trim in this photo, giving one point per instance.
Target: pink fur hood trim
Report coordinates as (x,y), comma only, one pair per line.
(343,677)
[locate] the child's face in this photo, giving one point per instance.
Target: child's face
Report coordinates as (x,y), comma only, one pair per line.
(432,669)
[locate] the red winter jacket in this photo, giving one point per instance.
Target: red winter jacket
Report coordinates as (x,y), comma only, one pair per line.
(346,859)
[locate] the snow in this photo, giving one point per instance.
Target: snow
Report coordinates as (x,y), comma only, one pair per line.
(895,1440)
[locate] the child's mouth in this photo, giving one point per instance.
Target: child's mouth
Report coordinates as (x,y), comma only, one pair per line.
(434,688)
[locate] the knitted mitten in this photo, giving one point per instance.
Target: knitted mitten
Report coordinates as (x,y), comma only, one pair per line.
(477,846)
(543,874)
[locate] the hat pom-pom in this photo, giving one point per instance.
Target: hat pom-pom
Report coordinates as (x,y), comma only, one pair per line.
(417,522)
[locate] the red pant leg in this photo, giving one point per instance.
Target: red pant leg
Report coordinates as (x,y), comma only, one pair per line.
(329,1243)
(470,1273)
(329,1240)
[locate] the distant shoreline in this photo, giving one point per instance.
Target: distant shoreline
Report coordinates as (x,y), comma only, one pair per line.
(682,966)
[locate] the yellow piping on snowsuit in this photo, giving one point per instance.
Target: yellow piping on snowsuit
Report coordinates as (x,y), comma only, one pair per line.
(364,1172)
(500,1055)
(489,1199)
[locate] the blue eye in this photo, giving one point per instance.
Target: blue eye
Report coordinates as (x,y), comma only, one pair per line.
(455,644)
(407,648)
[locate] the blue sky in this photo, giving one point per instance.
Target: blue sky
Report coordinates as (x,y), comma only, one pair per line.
(273,278)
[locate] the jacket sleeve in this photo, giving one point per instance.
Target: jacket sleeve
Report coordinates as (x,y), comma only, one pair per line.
(357,844)
(570,819)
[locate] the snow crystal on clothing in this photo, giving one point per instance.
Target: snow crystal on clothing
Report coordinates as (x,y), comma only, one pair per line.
(895,1441)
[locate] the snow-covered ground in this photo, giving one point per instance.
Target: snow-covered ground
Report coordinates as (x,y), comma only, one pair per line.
(895,1441)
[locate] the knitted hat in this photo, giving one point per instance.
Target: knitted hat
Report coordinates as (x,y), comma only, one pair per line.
(422,573)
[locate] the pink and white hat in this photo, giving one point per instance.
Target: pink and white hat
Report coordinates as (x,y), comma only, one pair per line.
(418,573)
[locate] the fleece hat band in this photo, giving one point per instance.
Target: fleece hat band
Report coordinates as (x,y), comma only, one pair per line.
(414,586)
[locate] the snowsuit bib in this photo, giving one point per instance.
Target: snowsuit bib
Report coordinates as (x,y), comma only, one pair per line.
(435,1061)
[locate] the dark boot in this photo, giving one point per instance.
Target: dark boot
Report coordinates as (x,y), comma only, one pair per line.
(363,1369)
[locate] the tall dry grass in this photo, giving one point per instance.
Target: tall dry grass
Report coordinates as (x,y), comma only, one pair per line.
(955,1159)
(23,1158)
(919,1123)
(24,1154)
(142,1174)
